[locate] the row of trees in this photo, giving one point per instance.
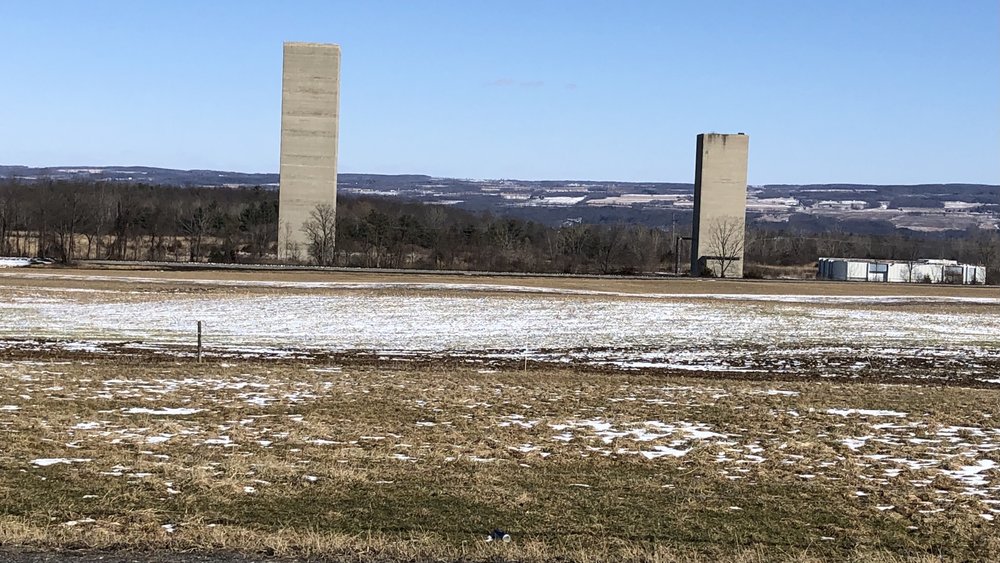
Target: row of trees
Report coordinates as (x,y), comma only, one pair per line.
(377,233)
(74,220)
(84,220)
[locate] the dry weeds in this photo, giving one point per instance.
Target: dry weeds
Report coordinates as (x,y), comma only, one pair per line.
(368,464)
(115,278)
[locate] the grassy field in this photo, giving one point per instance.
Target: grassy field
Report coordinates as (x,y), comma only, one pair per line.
(113,277)
(369,463)
(372,417)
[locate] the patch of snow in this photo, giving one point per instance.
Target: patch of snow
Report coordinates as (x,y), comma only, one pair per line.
(47,461)
(865,412)
(773,392)
(662,451)
(855,443)
(162,412)
(220,441)
(970,475)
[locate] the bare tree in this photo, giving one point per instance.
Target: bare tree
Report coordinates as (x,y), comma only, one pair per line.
(575,243)
(987,248)
(194,223)
(258,223)
(291,251)
(725,244)
(66,220)
(375,233)
(321,231)
(6,223)
(910,268)
(609,248)
(94,217)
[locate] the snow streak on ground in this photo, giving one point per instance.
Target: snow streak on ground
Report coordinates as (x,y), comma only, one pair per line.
(723,333)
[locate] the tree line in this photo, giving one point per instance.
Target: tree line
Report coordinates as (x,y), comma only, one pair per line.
(76,220)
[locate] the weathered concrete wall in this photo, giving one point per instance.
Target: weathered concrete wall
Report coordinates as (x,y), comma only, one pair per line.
(310,116)
(720,203)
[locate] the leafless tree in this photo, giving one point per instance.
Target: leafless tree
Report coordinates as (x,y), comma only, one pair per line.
(987,248)
(725,243)
(95,217)
(609,246)
(291,252)
(912,255)
(650,249)
(194,223)
(66,219)
(575,243)
(6,223)
(321,231)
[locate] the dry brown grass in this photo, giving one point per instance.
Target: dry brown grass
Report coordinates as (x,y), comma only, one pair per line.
(175,279)
(369,464)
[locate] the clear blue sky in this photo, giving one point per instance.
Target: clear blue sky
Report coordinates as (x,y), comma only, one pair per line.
(871,91)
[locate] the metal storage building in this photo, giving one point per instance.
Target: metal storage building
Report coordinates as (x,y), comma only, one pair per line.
(900,271)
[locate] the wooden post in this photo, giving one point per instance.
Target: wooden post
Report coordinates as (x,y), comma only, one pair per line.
(199,341)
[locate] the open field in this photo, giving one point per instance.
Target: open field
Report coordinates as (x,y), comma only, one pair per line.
(310,459)
(372,418)
(181,275)
(751,330)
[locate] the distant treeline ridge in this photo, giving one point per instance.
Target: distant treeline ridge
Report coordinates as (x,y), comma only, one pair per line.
(69,220)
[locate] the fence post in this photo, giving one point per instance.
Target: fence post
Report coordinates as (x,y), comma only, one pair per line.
(199,341)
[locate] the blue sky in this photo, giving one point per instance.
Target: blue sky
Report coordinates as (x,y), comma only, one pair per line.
(868,91)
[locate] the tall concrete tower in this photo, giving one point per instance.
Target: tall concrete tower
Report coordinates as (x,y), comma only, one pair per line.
(310,116)
(720,204)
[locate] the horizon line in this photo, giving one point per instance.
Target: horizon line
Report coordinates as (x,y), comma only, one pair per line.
(506,179)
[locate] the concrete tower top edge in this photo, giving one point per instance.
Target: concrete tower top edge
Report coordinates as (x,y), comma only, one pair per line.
(740,134)
(309,44)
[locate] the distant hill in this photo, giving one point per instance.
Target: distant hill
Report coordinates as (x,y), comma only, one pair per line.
(812,207)
(140,174)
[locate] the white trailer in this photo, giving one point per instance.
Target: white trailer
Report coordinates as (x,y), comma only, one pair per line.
(900,271)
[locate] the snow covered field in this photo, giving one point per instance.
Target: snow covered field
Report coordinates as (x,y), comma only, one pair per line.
(819,335)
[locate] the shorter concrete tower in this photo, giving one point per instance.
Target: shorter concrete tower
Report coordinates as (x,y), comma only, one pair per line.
(310,117)
(720,204)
